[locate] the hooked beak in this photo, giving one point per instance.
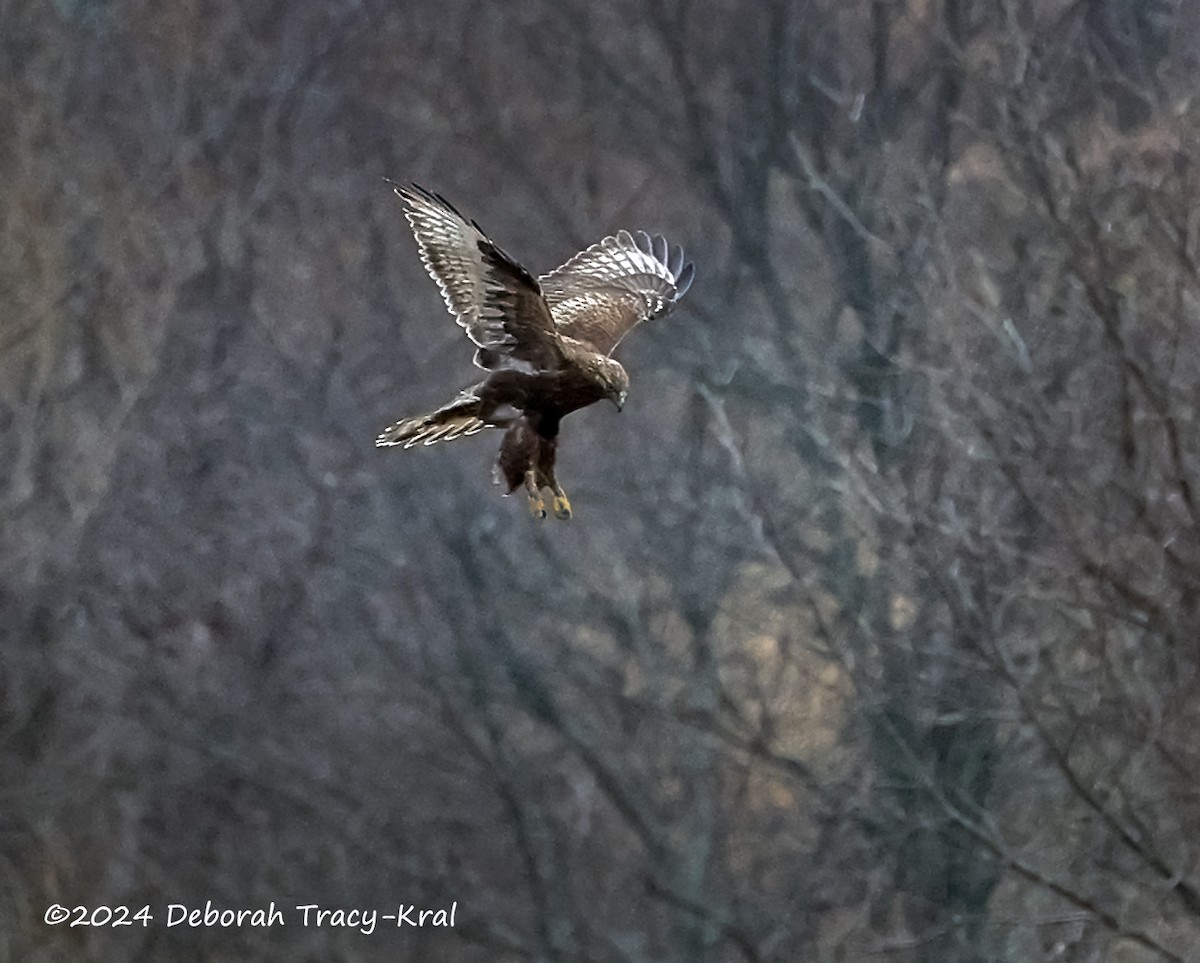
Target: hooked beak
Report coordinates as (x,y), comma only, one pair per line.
(618,399)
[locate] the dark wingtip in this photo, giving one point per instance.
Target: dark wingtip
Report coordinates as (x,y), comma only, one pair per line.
(409,192)
(413,191)
(660,248)
(400,190)
(675,263)
(683,280)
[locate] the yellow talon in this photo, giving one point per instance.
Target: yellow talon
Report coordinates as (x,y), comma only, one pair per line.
(562,507)
(537,506)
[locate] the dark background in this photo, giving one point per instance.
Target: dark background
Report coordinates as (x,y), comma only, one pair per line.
(875,635)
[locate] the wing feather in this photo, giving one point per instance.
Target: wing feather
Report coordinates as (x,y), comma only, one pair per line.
(601,293)
(497,302)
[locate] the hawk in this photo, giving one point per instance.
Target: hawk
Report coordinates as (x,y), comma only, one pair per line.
(546,343)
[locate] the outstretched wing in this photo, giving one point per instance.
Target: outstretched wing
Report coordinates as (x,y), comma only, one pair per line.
(493,297)
(602,292)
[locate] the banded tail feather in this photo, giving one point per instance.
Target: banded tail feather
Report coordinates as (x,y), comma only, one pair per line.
(455,420)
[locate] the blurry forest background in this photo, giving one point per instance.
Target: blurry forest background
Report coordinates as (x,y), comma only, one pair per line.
(876,635)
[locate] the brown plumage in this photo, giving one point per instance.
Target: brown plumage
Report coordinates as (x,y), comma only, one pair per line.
(545,342)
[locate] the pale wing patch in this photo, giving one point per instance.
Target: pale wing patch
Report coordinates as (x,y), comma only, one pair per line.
(494,298)
(449,249)
(605,290)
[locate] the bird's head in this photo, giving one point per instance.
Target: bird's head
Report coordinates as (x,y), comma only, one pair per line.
(615,381)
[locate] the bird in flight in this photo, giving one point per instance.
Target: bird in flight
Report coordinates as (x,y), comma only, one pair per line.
(546,343)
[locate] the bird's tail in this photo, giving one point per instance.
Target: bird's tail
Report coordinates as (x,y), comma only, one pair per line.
(455,420)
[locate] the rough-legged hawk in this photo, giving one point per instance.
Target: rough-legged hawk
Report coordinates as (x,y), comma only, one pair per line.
(544,342)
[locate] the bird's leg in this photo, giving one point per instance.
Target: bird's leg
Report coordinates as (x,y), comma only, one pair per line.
(562,505)
(547,478)
(537,507)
